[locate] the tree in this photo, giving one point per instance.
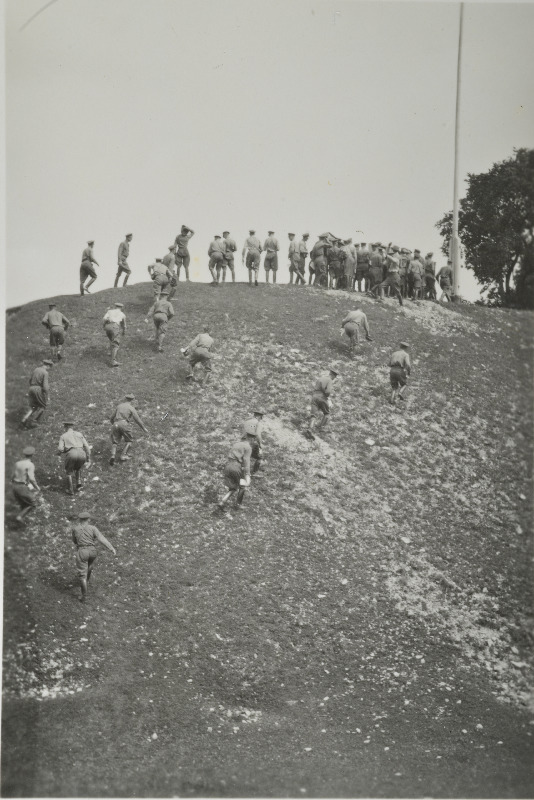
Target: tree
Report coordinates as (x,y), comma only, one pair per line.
(495,213)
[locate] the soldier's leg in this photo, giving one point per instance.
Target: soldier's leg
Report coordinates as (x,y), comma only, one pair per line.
(226,497)
(113,454)
(223,270)
(266,276)
(83,586)
(128,273)
(274,276)
(114,349)
(89,284)
(117,276)
(232,270)
(90,565)
(161,339)
(240,496)
(187,259)
(213,273)
(124,455)
(290,275)
(78,476)
(69,481)
(23,513)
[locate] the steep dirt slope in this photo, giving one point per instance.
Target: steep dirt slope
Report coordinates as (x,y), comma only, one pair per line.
(363,627)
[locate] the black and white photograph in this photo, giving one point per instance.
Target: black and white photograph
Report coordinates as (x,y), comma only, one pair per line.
(269,317)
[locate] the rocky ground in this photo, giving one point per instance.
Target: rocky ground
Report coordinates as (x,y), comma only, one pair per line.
(362,627)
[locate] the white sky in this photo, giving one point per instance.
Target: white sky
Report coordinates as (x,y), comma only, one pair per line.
(141,115)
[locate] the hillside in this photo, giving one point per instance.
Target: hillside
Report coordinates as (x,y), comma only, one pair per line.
(363,627)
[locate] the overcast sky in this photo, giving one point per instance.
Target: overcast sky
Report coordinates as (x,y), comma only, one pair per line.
(141,115)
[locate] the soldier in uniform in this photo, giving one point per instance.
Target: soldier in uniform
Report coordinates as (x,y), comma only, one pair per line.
(85,536)
(253,426)
(169,261)
(199,352)
(24,483)
(375,266)
(114,326)
(86,267)
(230,249)
(271,248)
(216,252)
(319,257)
(392,278)
(430,277)
(122,260)
(445,278)
(38,394)
(57,324)
(405,280)
(415,273)
(400,368)
(351,325)
(161,312)
(349,265)
(362,267)
(303,253)
(252,251)
(182,250)
(237,470)
(336,259)
(320,400)
(121,421)
(161,275)
(294,261)
(77,451)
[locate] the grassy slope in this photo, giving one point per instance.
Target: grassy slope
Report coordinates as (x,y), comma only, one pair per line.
(304,621)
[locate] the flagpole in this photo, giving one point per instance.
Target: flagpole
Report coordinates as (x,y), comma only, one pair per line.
(455,241)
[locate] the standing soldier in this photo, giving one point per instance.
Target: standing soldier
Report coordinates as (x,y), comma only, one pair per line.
(405,277)
(375,266)
(86,267)
(198,351)
(252,250)
(416,271)
(237,470)
(216,252)
(319,255)
(38,394)
(320,401)
(122,260)
(271,248)
(85,537)
(77,453)
(57,324)
(430,277)
(392,278)
(334,263)
(23,479)
(400,367)
(182,251)
(114,325)
(350,264)
(169,261)
(351,326)
(161,312)
(160,274)
(362,267)
(253,427)
(294,257)
(303,252)
(231,248)
(445,278)
(121,420)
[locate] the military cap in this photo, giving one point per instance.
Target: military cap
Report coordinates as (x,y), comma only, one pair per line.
(52,305)
(269,232)
(158,259)
(250,230)
(364,242)
(129,396)
(259,411)
(185,228)
(217,236)
(348,241)
(292,234)
(84,515)
(90,241)
(334,368)
(395,248)
(408,252)
(172,246)
(376,244)
(416,250)
(226,232)
(323,235)
(119,305)
(404,344)
(129,234)
(28,451)
(404,250)
(47,362)
(68,423)
(305,235)
(429,254)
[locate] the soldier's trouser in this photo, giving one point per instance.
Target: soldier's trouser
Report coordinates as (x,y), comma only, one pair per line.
(160,323)
(253,264)
(122,268)
(230,264)
(216,260)
(271,263)
(199,356)
(112,332)
(182,259)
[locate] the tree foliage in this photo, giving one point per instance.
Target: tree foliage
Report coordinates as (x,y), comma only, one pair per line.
(494,219)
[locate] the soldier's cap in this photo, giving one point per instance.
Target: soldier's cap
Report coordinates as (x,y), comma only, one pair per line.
(364,242)
(52,305)
(185,228)
(226,232)
(158,259)
(348,241)
(404,344)
(259,411)
(269,232)
(129,396)
(416,250)
(333,368)
(47,362)
(292,234)
(172,246)
(250,230)
(28,451)
(217,236)
(84,515)
(119,305)
(395,248)
(305,235)
(69,423)
(129,234)
(376,244)
(324,235)
(429,254)
(90,241)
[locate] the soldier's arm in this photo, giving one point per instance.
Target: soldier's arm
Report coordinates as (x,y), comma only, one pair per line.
(65,322)
(30,474)
(137,419)
(151,310)
(73,535)
(93,259)
(123,324)
(102,538)
(61,446)
(45,383)
(246,461)
(170,312)
(85,445)
(44,321)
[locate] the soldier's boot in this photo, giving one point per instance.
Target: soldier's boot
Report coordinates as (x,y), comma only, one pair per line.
(225,499)
(59,353)
(256,466)
(71,487)
(223,274)
(113,454)
(274,276)
(290,278)
(186,272)
(117,276)
(83,587)
(125,456)
(232,270)
(240,496)
(160,342)
(89,284)
(125,281)
(82,289)
(38,414)
(79,482)
(23,513)
(250,277)
(25,418)
(53,352)
(114,349)
(266,276)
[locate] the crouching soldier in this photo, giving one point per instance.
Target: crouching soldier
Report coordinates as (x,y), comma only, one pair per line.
(121,420)
(38,395)
(237,470)
(85,537)
(198,352)
(253,427)
(24,483)
(77,453)
(351,326)
(57,324)
(320,401)
(161,312)
(400,368)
